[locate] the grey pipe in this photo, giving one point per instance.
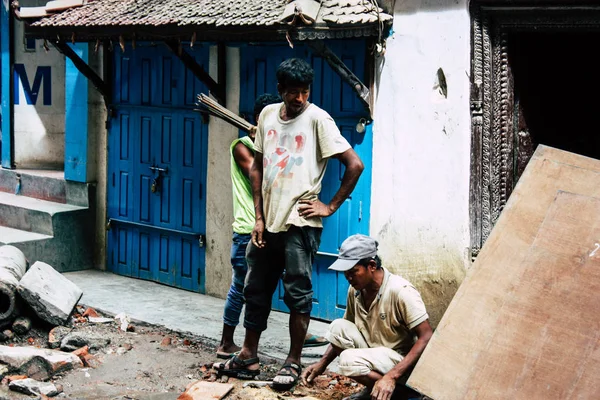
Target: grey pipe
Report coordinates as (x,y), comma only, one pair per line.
(13,266)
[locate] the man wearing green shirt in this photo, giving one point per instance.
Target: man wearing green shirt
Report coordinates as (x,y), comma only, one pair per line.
(242,155)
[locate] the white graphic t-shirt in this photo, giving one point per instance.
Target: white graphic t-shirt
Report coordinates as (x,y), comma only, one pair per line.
(295,154)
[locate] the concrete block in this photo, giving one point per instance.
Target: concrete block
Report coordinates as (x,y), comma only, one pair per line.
(32,387)
(76,340)
(40,364)
(50,295)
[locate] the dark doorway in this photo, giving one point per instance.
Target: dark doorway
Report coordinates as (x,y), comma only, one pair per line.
(557,92)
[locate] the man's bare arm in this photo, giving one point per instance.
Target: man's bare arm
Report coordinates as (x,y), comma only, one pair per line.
(354,167)
(256,178)
(243,157)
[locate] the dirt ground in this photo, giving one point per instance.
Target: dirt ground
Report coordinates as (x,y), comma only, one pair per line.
(155,363)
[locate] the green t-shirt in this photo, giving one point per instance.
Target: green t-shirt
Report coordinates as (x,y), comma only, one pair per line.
(243,205)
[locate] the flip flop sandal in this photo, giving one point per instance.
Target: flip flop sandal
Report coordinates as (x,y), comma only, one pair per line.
(288,370)
(241,372)
(315,341)
(226,356)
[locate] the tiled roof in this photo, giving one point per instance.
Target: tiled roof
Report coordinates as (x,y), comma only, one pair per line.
(205,12)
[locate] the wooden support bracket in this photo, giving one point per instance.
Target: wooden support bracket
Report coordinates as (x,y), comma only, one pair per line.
(320,48)
(85,69)
(216,89)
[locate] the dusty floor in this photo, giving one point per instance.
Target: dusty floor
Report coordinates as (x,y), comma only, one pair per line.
(155,363)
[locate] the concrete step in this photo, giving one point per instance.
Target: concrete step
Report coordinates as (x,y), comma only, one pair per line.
(15,236)
(31,215)
(44,185)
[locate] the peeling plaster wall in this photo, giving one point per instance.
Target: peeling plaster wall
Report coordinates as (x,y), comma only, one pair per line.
(219,202)
(39,129)
(420,193)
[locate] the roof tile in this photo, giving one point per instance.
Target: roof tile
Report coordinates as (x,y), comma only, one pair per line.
(204,12)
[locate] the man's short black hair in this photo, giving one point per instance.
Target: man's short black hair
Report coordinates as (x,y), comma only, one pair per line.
(366,261)
(264,100)
(295,72)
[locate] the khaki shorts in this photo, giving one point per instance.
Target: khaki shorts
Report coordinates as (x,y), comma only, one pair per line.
(357,358)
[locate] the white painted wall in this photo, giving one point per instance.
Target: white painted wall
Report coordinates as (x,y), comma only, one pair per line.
(219,201)
(39,130)
(420,193)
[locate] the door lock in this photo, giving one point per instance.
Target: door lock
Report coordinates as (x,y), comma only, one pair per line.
(155,184)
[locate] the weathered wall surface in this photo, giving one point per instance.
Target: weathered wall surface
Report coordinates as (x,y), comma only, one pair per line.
(39,110)
(97,157)
(420,194)
(219,202)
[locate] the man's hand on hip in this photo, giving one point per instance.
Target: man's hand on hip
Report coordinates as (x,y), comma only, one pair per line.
(314,208)
(257,234)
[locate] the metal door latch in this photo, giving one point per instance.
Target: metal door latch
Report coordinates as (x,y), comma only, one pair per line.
(201,241)
(155,186)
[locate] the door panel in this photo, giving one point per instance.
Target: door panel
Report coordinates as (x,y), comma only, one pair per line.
(258,66)
(157,153)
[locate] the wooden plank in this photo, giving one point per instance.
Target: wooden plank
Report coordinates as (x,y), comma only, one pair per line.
(204,390)
(32,12)
(59,5)
(478,349)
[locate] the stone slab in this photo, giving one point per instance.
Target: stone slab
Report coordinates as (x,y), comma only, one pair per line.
(20,359)
(76,340)
(50,294)
(33,387)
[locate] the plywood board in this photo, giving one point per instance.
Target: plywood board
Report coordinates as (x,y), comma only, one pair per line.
(500,337)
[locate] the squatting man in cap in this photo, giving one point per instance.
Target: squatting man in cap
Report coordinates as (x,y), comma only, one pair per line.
(375,339)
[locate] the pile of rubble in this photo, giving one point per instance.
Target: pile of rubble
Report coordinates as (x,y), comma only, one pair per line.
(40,295)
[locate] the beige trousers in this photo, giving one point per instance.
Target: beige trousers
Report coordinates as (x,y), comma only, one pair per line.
(357,358)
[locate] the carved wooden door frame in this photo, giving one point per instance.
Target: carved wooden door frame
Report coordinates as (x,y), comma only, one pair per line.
(492,99)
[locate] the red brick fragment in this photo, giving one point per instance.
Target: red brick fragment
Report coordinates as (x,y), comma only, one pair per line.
(166,341)
(90,312)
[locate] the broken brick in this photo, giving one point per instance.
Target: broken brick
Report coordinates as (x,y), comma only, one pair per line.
(11,378)
(81,352)
(90,312)
(166,341)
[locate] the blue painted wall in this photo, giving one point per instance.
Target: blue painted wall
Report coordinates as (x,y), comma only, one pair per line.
(6,86)
(76,117)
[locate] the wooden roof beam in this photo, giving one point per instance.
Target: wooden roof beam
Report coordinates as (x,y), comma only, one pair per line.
(216,89)
(364,94)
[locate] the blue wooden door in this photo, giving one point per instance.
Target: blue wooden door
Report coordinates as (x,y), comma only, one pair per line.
(258,67)
(157,169)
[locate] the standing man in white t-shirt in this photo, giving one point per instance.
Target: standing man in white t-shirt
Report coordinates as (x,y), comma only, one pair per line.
(294,140)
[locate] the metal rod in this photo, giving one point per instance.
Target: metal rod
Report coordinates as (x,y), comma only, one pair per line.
(120,221)
(165,170)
